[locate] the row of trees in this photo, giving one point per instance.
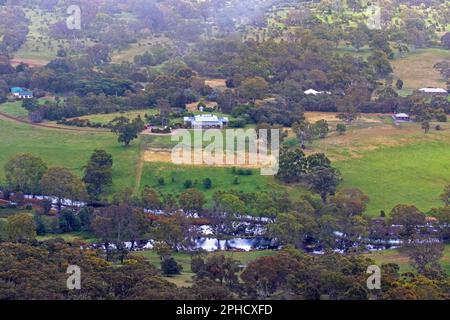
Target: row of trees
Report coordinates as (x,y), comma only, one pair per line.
(28,174)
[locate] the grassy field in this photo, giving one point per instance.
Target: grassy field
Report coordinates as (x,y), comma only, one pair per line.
(106,118)
(222,179)
(185,278)
(72,149)
(138,48)
(14,109)
(414,174)
(395,256)
(417,71)
(39,47)
(392,165)
(69,237)
(68,148)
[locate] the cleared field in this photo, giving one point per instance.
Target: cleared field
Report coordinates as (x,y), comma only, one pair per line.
(39,48)
(222,179)
(107,117)
(14,109)
(411,174)
(138,48)
(395,256)
(70,149)
(331,117)
(219,84)
(416,69)
(392,165)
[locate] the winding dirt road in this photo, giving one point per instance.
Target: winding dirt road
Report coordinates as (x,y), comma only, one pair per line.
(48,126)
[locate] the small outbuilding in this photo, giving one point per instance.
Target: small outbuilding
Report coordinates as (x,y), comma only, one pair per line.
(401,117)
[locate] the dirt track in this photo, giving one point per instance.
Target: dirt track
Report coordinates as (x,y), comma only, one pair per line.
(48,126)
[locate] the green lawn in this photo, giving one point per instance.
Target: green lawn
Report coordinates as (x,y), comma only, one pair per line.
(68,148)
(411,174)
(222,179)
(14,109)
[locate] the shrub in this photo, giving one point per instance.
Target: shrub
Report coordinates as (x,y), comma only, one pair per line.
(161,181)
(170,267)
(69,221)
(441,117)
(341,128)
(207,183)
(188,184)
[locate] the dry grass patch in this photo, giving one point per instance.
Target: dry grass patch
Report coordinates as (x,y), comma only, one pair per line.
(332,117)
(192,107)
(219,84)
(417,69)
(31,62)
(355,143)
(165,155)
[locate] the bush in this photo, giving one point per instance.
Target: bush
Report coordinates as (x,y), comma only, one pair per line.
(46,224)
(341,128)
(170,267)
(243,172)
(207,183)
(188,184)
(165,130)
(161,181)
(237,123)
(69,221)
(3,230)
(441,117)
(46,205)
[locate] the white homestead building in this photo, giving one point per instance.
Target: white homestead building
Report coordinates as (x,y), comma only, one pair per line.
(401,117)
(206,121)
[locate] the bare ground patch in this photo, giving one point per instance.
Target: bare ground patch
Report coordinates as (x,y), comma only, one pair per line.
(165,155)
(219,84)
(31,62)
(192,107)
